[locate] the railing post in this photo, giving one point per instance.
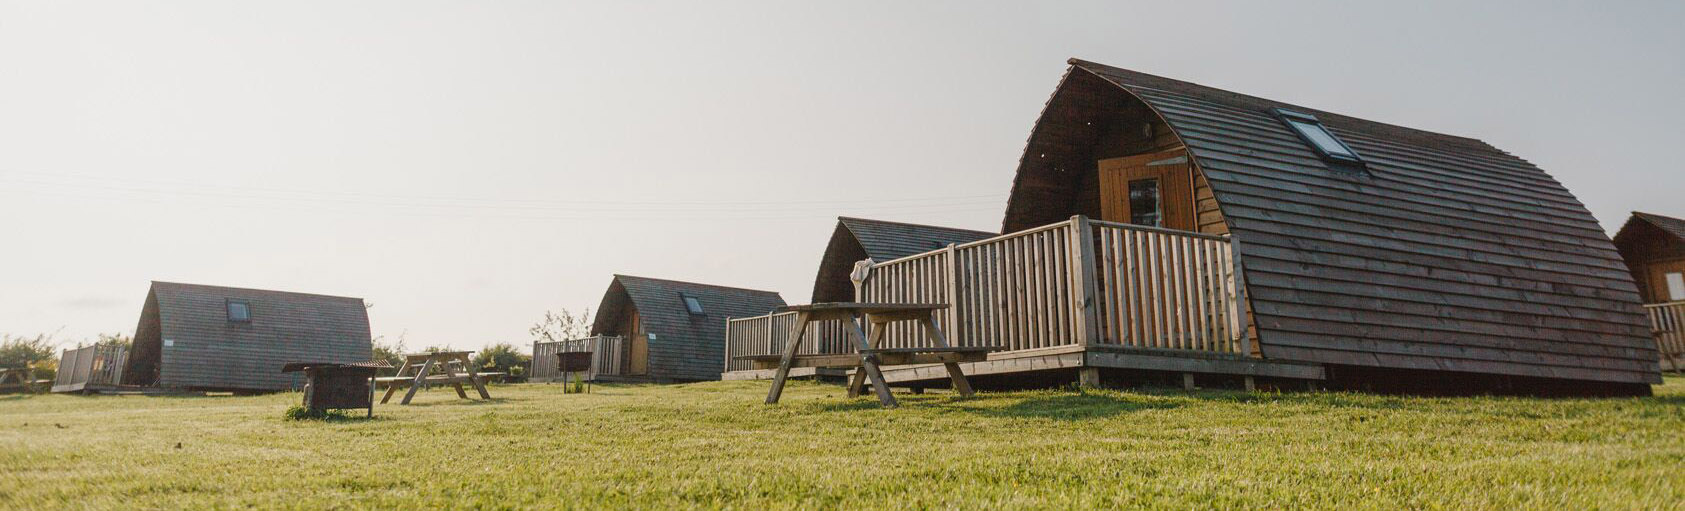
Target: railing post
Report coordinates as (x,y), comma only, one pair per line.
(1243,319)
(728,342)
(952,323)
(1083,289)
(770,323)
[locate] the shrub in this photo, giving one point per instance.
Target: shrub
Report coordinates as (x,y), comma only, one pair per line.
(300,413)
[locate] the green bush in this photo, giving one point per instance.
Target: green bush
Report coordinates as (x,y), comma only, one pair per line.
(300,413)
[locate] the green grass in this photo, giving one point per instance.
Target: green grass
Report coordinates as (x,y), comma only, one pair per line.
(716,445)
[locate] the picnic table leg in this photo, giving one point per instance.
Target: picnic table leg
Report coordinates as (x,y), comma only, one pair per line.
(420,376)
(392,386)
(869,363)
(789,358)
(451,373)
(955,375)
(474,379)
(858,383)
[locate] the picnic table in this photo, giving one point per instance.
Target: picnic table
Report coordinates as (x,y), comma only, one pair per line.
(453,368)
(870,357)
(19,379)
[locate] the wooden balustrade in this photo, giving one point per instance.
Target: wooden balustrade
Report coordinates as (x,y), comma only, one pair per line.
(1168,289)
(1069,283)
(100,365)
(608,356)
(769,334)
(1667,323)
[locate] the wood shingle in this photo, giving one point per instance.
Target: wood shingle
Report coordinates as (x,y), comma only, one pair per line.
(685,346)
(1445,254)
(187,339)
(858,238)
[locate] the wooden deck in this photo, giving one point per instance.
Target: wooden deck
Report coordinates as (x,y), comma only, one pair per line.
(1075,358)
(1077,297)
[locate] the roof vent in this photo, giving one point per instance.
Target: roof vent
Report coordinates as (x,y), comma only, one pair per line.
(1329,147)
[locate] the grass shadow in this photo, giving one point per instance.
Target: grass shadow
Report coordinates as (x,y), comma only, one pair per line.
(350,418)
(473,401)
(1071,407)
(1063,406)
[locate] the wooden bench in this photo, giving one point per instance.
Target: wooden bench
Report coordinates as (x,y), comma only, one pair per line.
(886,357)
(417,371)
(868,358)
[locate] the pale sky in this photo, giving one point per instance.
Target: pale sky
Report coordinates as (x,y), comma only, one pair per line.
(466,166)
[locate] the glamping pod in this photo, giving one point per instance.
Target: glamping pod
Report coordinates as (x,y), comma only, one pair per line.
(225,338)
(857,239)
(1159,228)
(673,330)
(1654,249)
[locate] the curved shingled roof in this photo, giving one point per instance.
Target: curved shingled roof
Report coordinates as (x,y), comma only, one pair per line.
(185,338)
(859,238)
(687,346)
(1451,255)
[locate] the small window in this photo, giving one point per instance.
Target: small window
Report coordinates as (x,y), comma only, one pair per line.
(1329,147)
(693,305)
(239,311)
(1676,287)
(1144,203)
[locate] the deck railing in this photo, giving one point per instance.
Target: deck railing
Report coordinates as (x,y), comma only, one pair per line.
(1069,283)
(100,365)
(770,334)
(1667,322)
(1168,289)
(608,357)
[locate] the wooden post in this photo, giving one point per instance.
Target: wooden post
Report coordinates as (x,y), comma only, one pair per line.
(729,341)
(1188,381)
(869,360)
(420,377)
(952,323)
(955,375)
(1242,319)
(1251,384)
(789,356)
(473,377)
(1089,377)
(1083,289)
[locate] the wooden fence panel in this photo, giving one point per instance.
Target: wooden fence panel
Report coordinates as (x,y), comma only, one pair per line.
(1667,322)
(1068,283)
(608,357)
(1167,289)
(769,334)
(100,365)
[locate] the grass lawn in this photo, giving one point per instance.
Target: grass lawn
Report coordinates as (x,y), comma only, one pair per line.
(716,445)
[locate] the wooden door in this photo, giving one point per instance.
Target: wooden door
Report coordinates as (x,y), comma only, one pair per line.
(1666,281)
(637,345)
(1153,189)
(638,359)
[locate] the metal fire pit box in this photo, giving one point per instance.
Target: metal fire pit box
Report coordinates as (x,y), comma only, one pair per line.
(337,386)
(569,362)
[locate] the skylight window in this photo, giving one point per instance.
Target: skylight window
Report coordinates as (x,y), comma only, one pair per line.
(693,305)
(239,311)
(1329,147)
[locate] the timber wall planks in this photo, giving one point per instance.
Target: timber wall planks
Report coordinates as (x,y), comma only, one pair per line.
(1449,255)
(686,346)
(198,347)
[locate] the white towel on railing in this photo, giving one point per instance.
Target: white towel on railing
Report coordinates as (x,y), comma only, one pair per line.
(862,269)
